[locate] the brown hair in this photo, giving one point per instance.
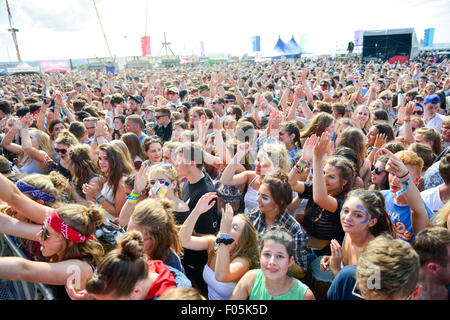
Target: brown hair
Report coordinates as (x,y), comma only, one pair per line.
(431,245)
(121,268)
(84,220)
(156,217)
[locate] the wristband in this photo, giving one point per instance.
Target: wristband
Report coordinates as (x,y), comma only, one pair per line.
(406,184)
(370,149)
(403,176)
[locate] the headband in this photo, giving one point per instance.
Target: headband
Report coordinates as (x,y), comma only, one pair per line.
(34,192)
(54,221)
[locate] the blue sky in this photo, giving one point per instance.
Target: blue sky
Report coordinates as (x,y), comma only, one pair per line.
(54,29)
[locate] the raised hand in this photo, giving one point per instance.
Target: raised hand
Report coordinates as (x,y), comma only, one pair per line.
(227,219)
(308,148)
(206,202)
(394,164)
(141,179)
(336,255)
(322,146)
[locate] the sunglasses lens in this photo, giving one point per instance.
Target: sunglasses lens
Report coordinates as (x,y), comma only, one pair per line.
(44,234)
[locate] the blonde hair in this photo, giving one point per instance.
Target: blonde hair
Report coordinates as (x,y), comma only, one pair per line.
(368,123)
(67,138)
(53,184)
(440,219)
(170,172)
(278,154)
(431,135)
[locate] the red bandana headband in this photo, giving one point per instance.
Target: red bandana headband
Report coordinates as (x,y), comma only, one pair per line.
(54,221)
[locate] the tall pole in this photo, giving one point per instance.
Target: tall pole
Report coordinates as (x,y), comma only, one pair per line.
(103,31)
(13,32)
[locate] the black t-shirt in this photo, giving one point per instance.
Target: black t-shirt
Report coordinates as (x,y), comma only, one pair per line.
(328,227)
(164,133)
(208,223)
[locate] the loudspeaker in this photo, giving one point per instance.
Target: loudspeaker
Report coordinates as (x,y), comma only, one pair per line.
(387,46)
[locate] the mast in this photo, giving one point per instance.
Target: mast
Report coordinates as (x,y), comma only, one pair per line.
(13,32)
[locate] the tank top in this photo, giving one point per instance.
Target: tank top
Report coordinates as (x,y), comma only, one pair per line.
(107,192)
(217,290)
(250,198)
(31,168)
(259,291)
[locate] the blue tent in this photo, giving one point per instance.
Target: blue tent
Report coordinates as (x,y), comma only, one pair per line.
(281,49)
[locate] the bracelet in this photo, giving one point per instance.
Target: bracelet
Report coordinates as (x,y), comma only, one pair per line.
(407,120)
(98,196)
(308,163)
(403,176)
(133,197)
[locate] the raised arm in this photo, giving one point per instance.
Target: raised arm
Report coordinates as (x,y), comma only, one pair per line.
(229,178)
(140,182)
(419,214)
(320,195)
(226,270)
(189,241)
(20,202)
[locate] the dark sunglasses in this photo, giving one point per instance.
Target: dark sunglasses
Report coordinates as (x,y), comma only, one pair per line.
(62,151)
(386,98)
(45,234)
(419,112)
(229,101)
(377,170)
(159,117)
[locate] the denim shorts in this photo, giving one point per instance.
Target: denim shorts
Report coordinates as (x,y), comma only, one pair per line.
(314,265)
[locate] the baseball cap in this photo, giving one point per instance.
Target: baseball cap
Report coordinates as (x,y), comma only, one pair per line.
(138,99)
(432,98)
(173,90)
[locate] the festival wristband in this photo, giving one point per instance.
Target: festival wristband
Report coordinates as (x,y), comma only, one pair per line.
(406,184)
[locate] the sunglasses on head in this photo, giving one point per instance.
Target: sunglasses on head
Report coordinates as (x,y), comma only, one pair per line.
(62,151)
(377,170)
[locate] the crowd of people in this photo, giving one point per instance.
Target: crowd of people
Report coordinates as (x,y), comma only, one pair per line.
(284,180)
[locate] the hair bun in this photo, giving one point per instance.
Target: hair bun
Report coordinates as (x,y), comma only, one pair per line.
(132,245)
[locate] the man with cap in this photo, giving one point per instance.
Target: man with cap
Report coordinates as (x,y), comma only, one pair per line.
(173,95)
(135,104)
(431,118)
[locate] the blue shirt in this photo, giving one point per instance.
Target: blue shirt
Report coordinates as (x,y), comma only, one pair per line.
(401,216)
(342,286)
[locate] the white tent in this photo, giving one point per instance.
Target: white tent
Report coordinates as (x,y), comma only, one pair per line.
(23,68)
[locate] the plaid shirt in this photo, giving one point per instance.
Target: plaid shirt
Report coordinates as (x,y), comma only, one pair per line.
(293,227)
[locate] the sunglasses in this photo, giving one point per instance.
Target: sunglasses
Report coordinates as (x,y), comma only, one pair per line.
(419,112)
(45,234)
(386,98)
(159,117)
(62,151)
(377,170)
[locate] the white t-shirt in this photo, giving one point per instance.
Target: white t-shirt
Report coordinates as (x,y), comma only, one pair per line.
(435,123)
(432,198)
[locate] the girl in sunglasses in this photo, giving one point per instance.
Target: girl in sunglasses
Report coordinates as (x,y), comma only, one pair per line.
(66,236)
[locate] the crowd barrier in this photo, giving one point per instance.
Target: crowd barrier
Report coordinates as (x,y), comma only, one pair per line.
(20,290)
